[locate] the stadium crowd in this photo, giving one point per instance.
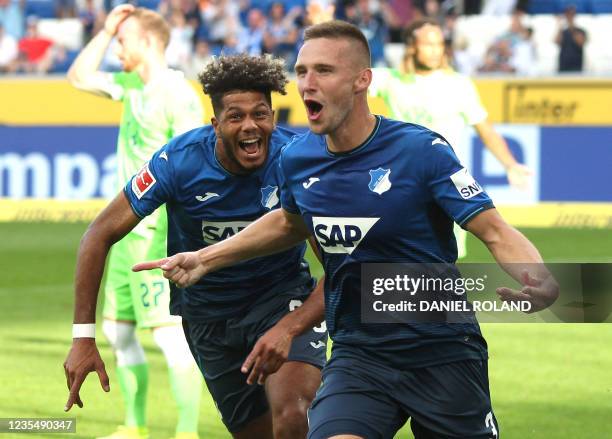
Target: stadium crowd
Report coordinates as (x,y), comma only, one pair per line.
(44,36)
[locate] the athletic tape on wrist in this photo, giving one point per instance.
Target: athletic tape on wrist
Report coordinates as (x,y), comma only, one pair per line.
(84,330)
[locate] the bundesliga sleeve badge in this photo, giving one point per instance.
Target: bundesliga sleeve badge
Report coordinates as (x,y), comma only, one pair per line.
(143,181)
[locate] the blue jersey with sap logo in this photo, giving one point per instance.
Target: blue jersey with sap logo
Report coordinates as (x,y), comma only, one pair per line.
(392,199)
(206,204)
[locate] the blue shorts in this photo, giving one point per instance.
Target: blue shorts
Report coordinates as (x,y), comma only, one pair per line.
(363,397)
(220,348)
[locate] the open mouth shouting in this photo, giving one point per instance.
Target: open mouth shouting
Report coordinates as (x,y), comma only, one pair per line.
(313,108)
(252,146)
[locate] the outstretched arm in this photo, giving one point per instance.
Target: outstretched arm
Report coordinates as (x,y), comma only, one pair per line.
(272,233)
(519,258)
(518,174)
(112,224)
(83,73)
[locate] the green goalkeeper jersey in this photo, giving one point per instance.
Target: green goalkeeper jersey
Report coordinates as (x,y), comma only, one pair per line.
(153,113)
(443,101)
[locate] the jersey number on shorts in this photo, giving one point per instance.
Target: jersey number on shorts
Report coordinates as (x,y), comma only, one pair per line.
(157,289)
(490,423)
(296,304)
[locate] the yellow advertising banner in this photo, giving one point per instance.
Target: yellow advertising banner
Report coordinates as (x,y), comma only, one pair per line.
(508,100)
(56,102)
(557,102)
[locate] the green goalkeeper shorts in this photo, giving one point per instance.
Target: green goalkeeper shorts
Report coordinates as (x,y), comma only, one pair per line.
(142,297)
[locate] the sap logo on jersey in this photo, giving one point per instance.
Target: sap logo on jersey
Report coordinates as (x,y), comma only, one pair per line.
(465,184)
(339,234)
(213,232)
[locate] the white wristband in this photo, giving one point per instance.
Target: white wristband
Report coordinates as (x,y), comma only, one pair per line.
(84,330)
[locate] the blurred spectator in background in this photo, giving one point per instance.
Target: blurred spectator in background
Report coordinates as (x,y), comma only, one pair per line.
(498,58)
(501,53)
(199,59)
(571,40)
(65,8)
(524,57)
(230,45)
(498,7)
(464,61)
(281,33)
(397,13)
(251,38)
(12,17)
(188,8)
(365,14)
(220,18)
(179,47)
(430,9)
(35,51)
(91,18)
(8,51)
(517,31)
(470,7)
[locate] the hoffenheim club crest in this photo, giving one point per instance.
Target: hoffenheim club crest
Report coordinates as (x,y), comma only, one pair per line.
(269,197)
(379,180)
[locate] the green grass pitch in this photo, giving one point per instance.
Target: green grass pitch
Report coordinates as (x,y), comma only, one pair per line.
(547,380)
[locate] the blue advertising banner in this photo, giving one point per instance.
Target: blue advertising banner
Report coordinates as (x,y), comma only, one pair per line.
(569,164)
(63,162)
(576,164)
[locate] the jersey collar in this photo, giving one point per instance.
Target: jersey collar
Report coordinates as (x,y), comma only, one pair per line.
(360,147)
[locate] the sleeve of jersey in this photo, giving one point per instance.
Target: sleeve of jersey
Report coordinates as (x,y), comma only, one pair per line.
(287,200)
(473,110)
(453,187)
(151,186)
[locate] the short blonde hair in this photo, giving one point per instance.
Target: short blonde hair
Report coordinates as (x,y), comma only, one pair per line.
(153,23)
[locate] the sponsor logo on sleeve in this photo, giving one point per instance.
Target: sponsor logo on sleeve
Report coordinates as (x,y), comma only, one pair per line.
(143,181)
(465,184)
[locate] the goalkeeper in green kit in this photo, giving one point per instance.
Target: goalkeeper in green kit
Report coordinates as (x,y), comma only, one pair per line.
(158,104)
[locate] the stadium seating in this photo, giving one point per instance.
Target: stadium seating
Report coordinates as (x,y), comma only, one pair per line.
(601,7)
(149,4)
(67,32)
(480,31)
(543,7)
(582,6)
(40,8)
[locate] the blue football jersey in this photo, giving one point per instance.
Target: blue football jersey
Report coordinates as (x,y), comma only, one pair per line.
(207,204)
(392,199)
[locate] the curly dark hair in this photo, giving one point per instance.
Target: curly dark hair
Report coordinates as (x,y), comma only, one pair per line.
(223,74)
